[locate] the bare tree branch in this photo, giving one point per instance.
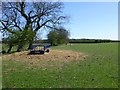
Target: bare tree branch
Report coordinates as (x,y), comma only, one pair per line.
(33,15)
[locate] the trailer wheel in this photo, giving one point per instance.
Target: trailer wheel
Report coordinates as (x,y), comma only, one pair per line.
(47,50)
(42,52)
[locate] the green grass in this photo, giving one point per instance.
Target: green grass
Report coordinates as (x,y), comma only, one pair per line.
(98,70)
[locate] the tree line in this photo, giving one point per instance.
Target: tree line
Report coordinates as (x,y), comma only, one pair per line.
(89,40)
(81,41)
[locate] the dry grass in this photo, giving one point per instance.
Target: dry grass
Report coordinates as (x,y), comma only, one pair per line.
(53,55)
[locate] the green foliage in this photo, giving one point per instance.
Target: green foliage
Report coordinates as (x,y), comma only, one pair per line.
(20,38)
(58,36)
(27,36)
(52,37)
(89,40)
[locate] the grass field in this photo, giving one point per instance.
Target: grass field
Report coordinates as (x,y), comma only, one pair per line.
(98,70)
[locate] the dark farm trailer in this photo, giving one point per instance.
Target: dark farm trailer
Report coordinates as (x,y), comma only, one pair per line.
(39,48)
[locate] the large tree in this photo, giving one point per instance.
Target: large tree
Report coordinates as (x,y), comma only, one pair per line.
(30,16)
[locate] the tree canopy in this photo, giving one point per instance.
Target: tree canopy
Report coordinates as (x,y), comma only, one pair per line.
(33,16)
(58,36)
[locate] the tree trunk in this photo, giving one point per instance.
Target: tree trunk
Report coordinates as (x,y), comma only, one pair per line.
(29,45)
(19,48)
(10,47)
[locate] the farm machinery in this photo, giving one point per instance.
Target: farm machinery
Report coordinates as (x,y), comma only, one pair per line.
(39,48)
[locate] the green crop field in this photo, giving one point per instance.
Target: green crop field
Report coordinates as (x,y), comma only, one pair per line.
(98,70)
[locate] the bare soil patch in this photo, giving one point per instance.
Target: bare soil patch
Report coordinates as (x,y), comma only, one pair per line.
(55,58)
(53,55)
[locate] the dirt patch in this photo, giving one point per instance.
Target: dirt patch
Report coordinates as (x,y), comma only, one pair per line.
(53,55)
(54,59)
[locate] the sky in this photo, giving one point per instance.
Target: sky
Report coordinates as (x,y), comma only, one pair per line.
(92,20)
